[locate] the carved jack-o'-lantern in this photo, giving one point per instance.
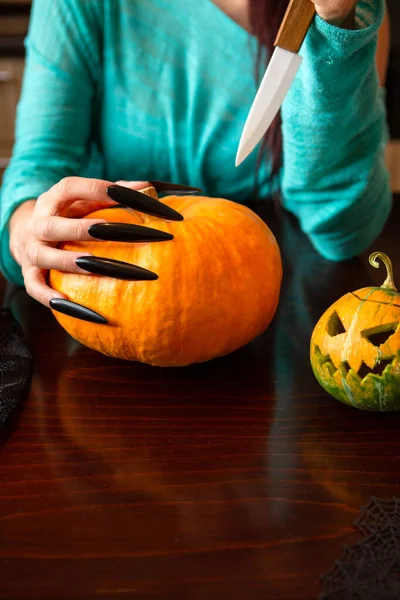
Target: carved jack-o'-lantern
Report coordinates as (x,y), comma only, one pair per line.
(355,346)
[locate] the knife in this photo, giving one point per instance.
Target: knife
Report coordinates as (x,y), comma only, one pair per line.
(279,76)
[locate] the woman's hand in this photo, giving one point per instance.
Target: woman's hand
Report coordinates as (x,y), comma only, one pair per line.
(337,12)
(36,228)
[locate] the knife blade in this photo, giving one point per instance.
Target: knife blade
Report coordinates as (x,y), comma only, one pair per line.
(279,76)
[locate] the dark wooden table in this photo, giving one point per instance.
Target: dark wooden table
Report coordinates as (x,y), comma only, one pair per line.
(236,479)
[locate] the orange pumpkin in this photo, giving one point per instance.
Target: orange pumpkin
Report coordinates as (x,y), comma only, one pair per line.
(355,346)
(218,285)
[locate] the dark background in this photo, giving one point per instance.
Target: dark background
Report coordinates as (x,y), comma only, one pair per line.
(393,81)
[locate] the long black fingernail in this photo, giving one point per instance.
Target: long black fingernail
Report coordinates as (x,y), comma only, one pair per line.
(125,232)
(174,188)
(72,309)
(142,202)
(114,268)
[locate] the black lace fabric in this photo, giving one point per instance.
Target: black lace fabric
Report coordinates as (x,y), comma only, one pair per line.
(15,365)
(370,570)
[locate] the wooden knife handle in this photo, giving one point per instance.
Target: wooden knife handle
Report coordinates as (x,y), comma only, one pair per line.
(295,25)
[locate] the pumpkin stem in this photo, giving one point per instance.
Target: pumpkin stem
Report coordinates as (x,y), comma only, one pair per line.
(389,281)
(150,191)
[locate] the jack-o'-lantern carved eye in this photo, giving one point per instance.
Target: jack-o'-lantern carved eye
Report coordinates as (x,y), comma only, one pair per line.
(378,336)
(335,325)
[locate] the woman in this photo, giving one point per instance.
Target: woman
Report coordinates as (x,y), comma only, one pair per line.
(161,90)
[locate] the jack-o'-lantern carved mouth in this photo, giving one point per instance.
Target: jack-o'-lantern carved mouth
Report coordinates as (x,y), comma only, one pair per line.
(344,368)
(376,336)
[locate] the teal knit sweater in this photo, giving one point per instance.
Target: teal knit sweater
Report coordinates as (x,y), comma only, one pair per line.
(154,89)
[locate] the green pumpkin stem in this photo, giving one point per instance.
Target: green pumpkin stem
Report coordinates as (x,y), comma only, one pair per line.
(389,281)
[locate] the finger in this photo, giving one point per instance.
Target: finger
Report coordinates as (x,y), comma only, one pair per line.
(169,188)
(161,187)
(72,189)
(81,208)
(46,257)
(36,286)
(61,229)
(77,311)
(142,202)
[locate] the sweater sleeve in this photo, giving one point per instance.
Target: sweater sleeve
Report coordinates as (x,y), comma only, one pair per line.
(334,177)
(56,108)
